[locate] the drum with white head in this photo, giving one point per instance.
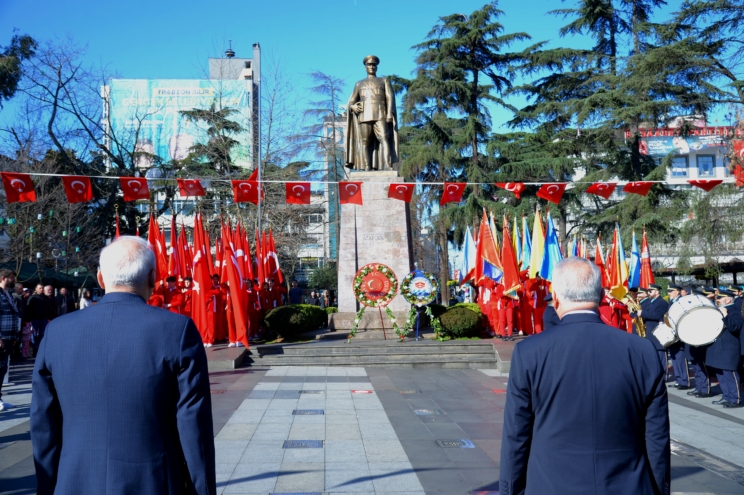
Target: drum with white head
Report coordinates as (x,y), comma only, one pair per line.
(665,335)
(696,320)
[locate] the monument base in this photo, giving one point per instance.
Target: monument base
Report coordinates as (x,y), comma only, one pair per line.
(370,326)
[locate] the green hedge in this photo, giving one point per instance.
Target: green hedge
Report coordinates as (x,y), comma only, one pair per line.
(437,309)
(460,322)
(471,306)
(294,319)
(331,310)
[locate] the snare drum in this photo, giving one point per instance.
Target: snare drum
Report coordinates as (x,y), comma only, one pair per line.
(696,320)
(665,335)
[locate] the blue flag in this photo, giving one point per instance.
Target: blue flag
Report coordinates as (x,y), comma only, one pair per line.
(634,277)
(552,251)
(526,244)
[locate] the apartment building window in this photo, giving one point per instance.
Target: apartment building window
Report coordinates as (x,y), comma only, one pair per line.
(314,218)
(705,165)
(679,166)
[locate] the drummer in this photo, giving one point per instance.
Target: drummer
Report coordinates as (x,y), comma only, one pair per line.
(676,350)
(724,353)
(652,312)
(696,361)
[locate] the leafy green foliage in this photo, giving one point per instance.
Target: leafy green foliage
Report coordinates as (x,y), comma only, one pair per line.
(324,277)
(460,322)
(292,320)
(331,310)
(22,47)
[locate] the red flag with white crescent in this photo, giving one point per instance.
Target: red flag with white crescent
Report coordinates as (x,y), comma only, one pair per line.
(245,191)
(452,192)
(401,190)
(77,188)
(298,193)
(641,188)
(602,189)
(190,187)
(18,187)
(350,192)
(516,187)
(134,188)
(705,185)
(552,192)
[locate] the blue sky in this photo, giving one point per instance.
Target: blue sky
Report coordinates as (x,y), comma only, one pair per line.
(173,39)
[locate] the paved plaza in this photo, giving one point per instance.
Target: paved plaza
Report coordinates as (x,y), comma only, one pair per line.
(355,430)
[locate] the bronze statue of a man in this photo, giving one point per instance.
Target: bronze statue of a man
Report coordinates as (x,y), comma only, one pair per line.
(372,127)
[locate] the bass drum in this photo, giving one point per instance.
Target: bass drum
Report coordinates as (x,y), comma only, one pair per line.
(696,320)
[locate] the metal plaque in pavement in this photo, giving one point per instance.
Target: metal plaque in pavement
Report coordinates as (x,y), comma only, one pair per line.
(312,392)
(308,412)
(456,444)
(298,493)
(303,444)
(213,391)
(427,412)
(406,392)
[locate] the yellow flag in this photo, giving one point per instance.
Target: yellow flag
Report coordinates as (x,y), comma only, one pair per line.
(538,245)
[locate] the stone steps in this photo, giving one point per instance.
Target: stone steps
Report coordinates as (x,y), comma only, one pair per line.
(395,355)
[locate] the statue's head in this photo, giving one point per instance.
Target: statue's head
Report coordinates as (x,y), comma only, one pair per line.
(370,63)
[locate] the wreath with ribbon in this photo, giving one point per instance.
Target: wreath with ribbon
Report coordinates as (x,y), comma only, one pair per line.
(419,288)
(375,285)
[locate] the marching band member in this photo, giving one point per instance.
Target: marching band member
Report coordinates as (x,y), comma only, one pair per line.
(652,313)
(696,361)
(173,299)
(725,352)
(676,350)
(187,295)
(506,313)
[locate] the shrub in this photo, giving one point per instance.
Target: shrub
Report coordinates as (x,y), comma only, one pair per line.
(471,306)
(294,319)
(460,322)
(331,309)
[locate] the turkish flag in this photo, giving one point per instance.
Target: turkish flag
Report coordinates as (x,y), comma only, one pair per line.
(603,189)
(552,192)
(452,192)
(705,185)
(298,193)
(516,187)
(245,191)
(641,188)
(739,149)
(134,188)
(350,192)
(18,187)
(739,175)
(77,188)
(402,191)
(190,187)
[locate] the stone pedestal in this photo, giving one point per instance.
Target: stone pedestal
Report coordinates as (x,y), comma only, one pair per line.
(379,231)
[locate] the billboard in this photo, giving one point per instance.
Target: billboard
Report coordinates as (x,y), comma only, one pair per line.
(146,113)
(662,141)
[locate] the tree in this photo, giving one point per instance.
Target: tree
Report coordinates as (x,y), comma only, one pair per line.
(462,68)
(22,47)
(324,277)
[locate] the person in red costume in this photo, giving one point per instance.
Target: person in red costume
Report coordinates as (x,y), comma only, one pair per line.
(605,308)
(485,297)
(506,313)
(187,295)
(525,309)
(230,318)
(173,299)
(538,290)
(273,294)
(215,311)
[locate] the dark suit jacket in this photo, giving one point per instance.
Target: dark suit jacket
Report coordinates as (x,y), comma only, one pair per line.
(725,352)
(653,313)
(586,412)
(550,317)
(121,403)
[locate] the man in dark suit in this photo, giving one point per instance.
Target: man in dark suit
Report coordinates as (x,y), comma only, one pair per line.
(586,406)
(652,314)
(724,353)
(550,317)
(121,401)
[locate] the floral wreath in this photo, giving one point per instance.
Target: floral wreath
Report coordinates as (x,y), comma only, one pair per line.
(419,299)
(380,299)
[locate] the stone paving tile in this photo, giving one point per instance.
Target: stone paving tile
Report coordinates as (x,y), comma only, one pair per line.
(347,477)
(237,431)
(301,477)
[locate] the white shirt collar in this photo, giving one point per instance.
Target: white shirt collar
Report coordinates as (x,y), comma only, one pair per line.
(580,312)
